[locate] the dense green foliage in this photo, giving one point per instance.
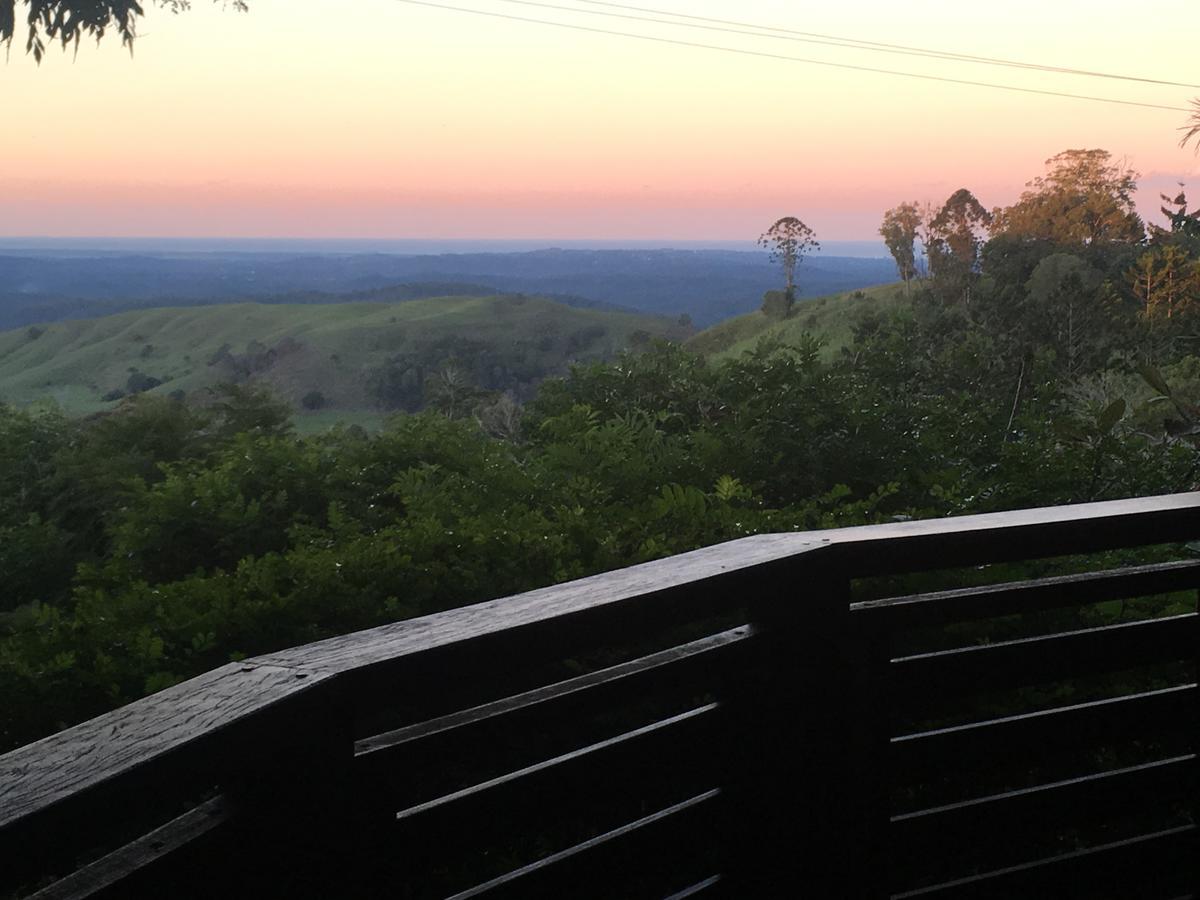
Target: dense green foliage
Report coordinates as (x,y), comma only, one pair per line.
(153,543)
(147,545)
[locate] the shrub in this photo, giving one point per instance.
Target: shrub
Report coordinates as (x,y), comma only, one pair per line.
(140,381)
(640,337)
(220,355)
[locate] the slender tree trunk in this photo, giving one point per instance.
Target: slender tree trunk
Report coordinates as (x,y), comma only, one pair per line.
(1071,340)
(1016,401)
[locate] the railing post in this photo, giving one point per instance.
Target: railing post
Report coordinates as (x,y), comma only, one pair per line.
(1195,742)
(798,821)
(868,756)
(299,829)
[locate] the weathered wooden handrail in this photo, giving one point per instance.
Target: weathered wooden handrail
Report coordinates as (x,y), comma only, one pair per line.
(242,730)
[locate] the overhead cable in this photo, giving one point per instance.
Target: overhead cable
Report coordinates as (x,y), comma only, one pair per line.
(794,59)
(854,43)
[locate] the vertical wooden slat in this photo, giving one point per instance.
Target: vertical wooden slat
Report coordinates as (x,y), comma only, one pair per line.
(791,818)
(1194,880)
(299,816)
(868,752)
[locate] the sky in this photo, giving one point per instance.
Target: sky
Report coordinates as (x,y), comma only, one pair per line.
(389,119)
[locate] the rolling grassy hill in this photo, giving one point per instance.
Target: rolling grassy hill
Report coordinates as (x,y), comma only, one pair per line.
(361,357)
(831,318)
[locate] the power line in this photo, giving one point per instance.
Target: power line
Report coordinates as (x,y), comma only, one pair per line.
(876,46)
(796,59)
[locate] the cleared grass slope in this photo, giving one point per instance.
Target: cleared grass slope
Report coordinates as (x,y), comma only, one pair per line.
(831,318)
(331,348)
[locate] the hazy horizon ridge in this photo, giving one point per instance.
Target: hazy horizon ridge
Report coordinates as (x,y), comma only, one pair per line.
(60,278)
(399,246)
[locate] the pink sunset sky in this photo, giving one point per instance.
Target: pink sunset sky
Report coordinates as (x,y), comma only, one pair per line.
(387,119)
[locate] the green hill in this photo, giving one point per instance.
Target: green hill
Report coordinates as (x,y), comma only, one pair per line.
(831,318)
(356,356)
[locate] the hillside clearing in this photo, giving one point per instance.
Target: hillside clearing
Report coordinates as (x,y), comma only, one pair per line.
(831,318)
(367,357)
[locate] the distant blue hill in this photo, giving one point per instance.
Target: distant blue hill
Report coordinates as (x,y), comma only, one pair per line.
(60,279)
(155,246)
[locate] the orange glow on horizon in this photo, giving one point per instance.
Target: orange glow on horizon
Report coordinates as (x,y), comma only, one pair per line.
(289,121)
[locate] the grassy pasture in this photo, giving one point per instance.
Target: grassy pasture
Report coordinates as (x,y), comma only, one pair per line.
(831,317)
(297,349)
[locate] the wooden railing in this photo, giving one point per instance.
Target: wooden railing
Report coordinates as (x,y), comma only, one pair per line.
(779,716)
